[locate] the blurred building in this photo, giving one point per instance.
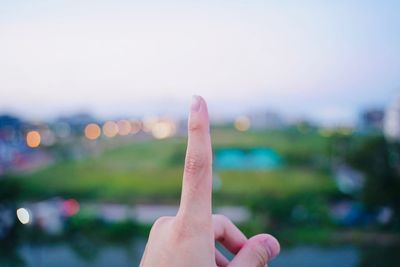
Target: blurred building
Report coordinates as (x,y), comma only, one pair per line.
(75,124)
(10,128)
(20,144)
(372,119)
(266,120)
(11,141)
(391,123)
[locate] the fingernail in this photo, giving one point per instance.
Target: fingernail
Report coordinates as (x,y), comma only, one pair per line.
(195,107)
(272,247)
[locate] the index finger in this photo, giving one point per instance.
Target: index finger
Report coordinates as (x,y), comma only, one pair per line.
(197,176)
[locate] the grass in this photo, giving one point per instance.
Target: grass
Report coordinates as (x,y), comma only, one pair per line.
(280,183)
(153,170)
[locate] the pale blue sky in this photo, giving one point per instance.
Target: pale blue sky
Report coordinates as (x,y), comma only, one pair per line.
(321,59)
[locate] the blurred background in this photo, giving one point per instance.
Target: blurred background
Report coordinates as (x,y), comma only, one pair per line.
(304,99)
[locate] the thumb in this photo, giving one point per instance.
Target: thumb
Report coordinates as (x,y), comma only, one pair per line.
(256,252)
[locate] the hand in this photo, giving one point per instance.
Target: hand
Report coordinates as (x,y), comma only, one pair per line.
(188,239)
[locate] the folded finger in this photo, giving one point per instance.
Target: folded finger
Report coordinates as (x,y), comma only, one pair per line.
(257,251)
(226,233)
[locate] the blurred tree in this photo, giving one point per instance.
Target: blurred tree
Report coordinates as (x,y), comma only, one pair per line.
(380,256)
(380,162)
(10,191)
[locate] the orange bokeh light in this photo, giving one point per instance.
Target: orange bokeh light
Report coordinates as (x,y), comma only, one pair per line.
(135,126)
(110,129)
(92,131)
(124,127)
(33,139)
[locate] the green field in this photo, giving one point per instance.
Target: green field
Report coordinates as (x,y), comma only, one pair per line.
(152,170)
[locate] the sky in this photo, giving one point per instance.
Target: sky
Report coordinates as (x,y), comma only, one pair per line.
(324,60)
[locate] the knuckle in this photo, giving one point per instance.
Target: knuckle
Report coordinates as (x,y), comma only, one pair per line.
(194,162)
(194,125)
(223,218)
(161,221)
(160,226)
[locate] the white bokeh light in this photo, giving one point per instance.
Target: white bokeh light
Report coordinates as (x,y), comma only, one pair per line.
(23,215)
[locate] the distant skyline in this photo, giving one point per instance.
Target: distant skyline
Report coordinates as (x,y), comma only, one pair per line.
(322,60)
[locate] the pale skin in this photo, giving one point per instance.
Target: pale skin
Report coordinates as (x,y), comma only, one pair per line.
(188,239)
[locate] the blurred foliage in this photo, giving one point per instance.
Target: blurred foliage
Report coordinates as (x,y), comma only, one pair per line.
(10,189)
(97,229)
(300,209)
(380,256)
(10,193)
(379,160)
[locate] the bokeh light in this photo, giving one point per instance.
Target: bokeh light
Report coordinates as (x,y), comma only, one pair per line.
(92,131)
(110,129)
(48,137)
(71,207)
(242,123)
(148,123)
(62,129)
(23,215)
(163,129)
(124,127)
(33,139)
(135,126)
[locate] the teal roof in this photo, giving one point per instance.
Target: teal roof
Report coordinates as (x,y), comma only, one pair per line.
(249,159)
